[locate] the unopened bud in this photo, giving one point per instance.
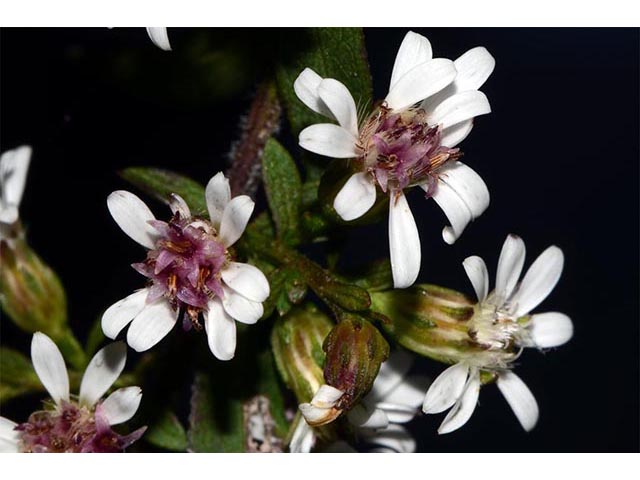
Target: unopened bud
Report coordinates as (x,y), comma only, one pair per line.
(429,320)
(355,349)
(297,340)
(30,291)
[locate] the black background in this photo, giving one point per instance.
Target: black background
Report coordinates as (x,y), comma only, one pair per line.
(559,153)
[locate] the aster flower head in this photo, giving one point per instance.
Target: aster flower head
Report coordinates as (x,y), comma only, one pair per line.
(14,165)
(410,139)
(190,270)
(500,327)
(70,423)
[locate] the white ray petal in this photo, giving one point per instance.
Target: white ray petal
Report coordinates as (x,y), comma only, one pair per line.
(339,100)
(464,407)
(121,405)
(510,265)
(9,446)
(49,365)
(7,432)
(312,414)
(218,195)
(132,215)
(356,197)
(326,396)
(539,281)
(414,50)
(151,325)
(241,308)
(410,392)
(404,243)
(454,208)
(445,390)
(302,439)
(421,82)
(159,37)
(306,88)
(367,417)
(519,398)
(458,108)
(550,329)
(478,274)
(14,165)
(468,185)
(453,135)
(474,68)
(118,315)
(391,374)
(394,437)
(221,331)
(235,218)
(329,140)
(104,368)
(247,280)
(179,206)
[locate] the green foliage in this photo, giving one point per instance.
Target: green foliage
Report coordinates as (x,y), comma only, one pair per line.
(161,183)
(17,375)
(167,433)
(284,191)
(332,53)
(215,421)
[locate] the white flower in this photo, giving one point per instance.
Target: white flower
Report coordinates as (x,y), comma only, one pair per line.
(392,401)
(159,37)
(190,269)
(103,370)
(14,165)
(502,326)
(402,144)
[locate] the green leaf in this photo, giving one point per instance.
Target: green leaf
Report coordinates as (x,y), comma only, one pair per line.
(284,190)
(375,277)
(215,421)
(161,183)
(332,53)
(18,376)
(167,433)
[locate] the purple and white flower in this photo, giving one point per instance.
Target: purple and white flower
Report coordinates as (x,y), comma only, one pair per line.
(70,423)
(14,165)
(190,270)
(409,140)
(394,400)
(503,326)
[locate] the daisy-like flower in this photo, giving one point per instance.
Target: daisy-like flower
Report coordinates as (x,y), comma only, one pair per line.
(409,140)
(501,327)
(159,37)
(190,269)
(14,165)
(70,423)
(394,399)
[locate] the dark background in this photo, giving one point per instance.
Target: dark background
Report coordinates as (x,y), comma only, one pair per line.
(559,154)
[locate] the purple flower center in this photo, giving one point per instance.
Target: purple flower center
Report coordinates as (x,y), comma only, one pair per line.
(185,265)
(71,428)
(402,150)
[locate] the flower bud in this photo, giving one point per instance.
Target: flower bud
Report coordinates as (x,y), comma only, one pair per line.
(297,340)
(429,320)
(30,292)
(355,349)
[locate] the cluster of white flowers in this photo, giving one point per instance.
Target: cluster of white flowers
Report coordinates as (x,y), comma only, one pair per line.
(411,139)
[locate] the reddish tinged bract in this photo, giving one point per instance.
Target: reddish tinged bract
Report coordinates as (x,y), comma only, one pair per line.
(400,149)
